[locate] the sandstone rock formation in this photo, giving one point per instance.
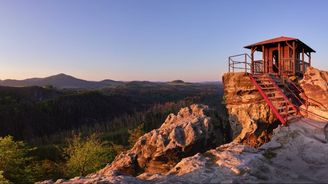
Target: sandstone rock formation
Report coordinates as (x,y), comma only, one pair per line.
(194,129)
(250,117)
(315,87)
(185,134)
(288,158)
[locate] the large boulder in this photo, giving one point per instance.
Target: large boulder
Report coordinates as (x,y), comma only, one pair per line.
(194,129)
(251,119)
(315,87)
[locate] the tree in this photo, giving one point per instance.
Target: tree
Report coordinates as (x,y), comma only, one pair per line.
(86,155)
(2,179)
(134,134)
(14,160)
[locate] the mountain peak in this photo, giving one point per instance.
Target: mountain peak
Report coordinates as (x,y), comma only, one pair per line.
(60,80)
(61,75)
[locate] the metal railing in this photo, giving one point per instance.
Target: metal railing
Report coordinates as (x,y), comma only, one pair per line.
(243,62)
(268,101)
(240,62)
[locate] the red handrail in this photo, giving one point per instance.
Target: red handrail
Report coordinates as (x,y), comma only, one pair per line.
(273,108)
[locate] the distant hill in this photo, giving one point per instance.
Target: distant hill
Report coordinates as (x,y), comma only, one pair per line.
(60,81)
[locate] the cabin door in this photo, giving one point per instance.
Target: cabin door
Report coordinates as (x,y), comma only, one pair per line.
(275,61)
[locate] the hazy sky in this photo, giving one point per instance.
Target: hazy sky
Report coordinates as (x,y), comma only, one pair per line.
(148,39)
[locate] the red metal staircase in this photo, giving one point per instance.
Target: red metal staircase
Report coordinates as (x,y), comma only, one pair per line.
(270,90)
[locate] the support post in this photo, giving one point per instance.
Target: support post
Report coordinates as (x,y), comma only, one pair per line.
(252,57)
(229,63)
(294,58)
(303,63)
(245,63)
(263,60)
(279,60)
(310,58)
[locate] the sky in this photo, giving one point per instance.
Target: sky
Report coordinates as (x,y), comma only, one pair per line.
(155,40)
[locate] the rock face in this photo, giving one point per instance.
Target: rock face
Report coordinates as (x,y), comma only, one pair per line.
(250,117)
(193,130)
(315,87)
(296,154)
(189,132)
(288,158)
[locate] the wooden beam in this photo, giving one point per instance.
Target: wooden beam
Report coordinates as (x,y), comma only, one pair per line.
(270,61)
(289,60)
(279,59)
(294,58)
(263,58)
(252,57)
(245,63)
(289,45)
(310,58)
(303,63)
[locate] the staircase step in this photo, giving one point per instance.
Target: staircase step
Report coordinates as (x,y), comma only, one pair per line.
(263,79)
(266,84)
(288,113)
(287,105)
(276,98)
(269,88)
(275,90)
(272,94)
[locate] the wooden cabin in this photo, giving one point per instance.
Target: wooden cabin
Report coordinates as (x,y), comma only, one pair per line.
(282,56)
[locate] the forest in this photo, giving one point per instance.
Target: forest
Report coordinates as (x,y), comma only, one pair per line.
(45,131)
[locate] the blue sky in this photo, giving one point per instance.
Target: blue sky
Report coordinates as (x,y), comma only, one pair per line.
(157,40)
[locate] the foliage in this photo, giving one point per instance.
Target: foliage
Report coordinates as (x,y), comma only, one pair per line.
(134,134)
(32,112)
(86,155)
(3,180)
(15,161)
(45,118)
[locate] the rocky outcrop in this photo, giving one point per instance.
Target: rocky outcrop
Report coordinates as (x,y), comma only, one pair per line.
(315,87)
(250,117)
(191,131)
(288,158)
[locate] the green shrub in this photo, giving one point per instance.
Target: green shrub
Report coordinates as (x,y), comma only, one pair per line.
(15,160)
(86,155)
(3,180)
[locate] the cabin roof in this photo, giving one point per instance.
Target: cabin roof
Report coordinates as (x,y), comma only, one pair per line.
(278,40)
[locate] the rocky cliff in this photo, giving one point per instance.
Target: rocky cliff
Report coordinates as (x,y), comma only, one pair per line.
(250,117)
